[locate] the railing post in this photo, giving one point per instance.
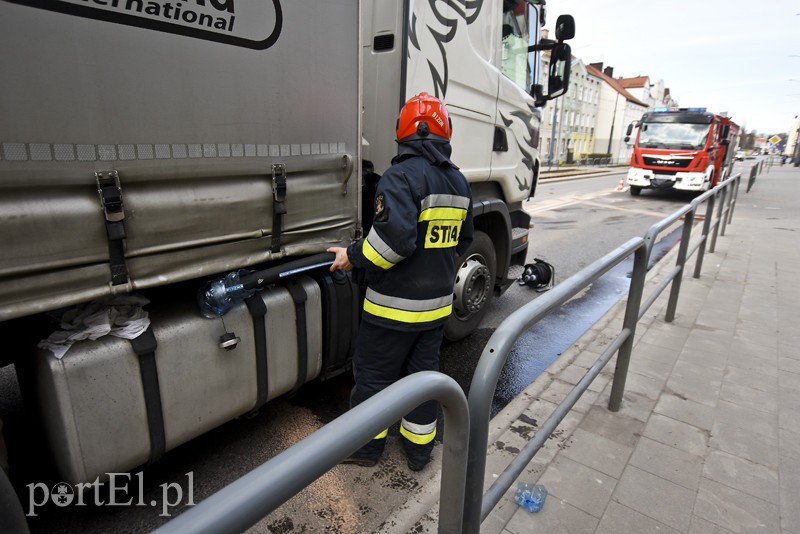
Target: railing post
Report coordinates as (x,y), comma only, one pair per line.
(735,186)
(726,212)
(708,216)
(686,236)
(481,392)
(641,259)
(712,245)
(752,180)
(493,357)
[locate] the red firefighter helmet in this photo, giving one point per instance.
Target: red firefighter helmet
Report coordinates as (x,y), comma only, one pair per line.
(424,116)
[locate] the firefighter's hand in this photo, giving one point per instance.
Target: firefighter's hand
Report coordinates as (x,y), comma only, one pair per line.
(342,262)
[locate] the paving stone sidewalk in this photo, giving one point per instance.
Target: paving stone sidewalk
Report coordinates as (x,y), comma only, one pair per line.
(708,437)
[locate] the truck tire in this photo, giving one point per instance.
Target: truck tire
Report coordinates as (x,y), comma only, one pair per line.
(474,285)
(635,190)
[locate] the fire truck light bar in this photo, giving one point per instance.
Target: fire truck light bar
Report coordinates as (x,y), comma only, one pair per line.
(667,110)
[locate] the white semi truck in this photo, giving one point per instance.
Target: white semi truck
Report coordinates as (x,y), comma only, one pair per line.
(171,174)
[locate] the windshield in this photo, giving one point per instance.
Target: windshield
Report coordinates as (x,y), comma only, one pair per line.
(673,135)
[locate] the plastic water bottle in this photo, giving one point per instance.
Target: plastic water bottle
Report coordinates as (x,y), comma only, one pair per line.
(530,496)
(220,295)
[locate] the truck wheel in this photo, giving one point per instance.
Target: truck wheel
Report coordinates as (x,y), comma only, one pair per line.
(635,190)
(474,284)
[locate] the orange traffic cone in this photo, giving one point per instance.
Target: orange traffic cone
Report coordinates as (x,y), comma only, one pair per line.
(621,185)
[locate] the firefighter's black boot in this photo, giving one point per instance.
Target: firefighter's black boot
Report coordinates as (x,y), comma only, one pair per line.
(417,456)
(368,455)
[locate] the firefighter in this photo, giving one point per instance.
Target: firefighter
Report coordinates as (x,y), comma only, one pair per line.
(422,222)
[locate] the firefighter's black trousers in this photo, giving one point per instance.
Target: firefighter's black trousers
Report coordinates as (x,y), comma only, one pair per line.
(383,356)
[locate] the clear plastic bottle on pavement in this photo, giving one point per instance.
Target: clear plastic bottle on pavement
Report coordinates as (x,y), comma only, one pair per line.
(530,496)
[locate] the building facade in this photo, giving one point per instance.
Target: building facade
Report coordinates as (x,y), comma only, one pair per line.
(617,109)
(653,94)
(592,118)
(569,122)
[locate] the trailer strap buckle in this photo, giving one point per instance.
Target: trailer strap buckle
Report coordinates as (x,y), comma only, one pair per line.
(278,206)
(279,182)
(110,192)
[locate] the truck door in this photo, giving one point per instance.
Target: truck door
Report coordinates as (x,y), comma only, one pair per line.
(518,121)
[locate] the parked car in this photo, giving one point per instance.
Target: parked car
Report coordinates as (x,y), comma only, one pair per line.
(739,156)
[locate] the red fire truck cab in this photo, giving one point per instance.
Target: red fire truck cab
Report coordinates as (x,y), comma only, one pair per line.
(688,149)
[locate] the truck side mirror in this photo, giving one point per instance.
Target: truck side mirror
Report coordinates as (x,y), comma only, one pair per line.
(560,61)
(628,132)
(565,28)
(560,65)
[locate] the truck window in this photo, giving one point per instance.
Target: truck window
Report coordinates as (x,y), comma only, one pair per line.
(673,135)
(516,36)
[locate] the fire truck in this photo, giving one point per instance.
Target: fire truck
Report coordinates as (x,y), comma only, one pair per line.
(688,149)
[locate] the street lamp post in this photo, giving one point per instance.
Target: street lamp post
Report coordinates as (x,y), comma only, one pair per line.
(613,120)
(553,134)
(560,125)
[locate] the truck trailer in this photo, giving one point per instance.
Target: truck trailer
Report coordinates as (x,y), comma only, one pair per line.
(172,173)
(687,149)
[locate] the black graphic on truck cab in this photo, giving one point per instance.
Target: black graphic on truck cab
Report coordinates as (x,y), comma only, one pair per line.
(467,12)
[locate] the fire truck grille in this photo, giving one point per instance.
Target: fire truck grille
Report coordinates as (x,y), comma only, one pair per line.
(670,163)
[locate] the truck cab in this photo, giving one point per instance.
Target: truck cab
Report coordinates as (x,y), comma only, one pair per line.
(482,61)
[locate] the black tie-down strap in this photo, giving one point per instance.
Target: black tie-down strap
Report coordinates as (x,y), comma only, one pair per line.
(145,347)
(108,187)
(258,311)
(300,296)
(278,204)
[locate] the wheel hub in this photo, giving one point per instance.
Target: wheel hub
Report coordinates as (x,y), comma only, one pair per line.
(472,287)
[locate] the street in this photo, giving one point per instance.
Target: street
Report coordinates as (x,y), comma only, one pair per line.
(576,222)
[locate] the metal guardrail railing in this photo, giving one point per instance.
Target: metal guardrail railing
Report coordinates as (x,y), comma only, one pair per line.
(462,505)
(484,383)
(478,505)
(247,500)
(754,171)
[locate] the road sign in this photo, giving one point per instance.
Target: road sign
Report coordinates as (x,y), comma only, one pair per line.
(774,139)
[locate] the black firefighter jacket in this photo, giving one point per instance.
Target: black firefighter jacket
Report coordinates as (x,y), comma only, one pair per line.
(423,221)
